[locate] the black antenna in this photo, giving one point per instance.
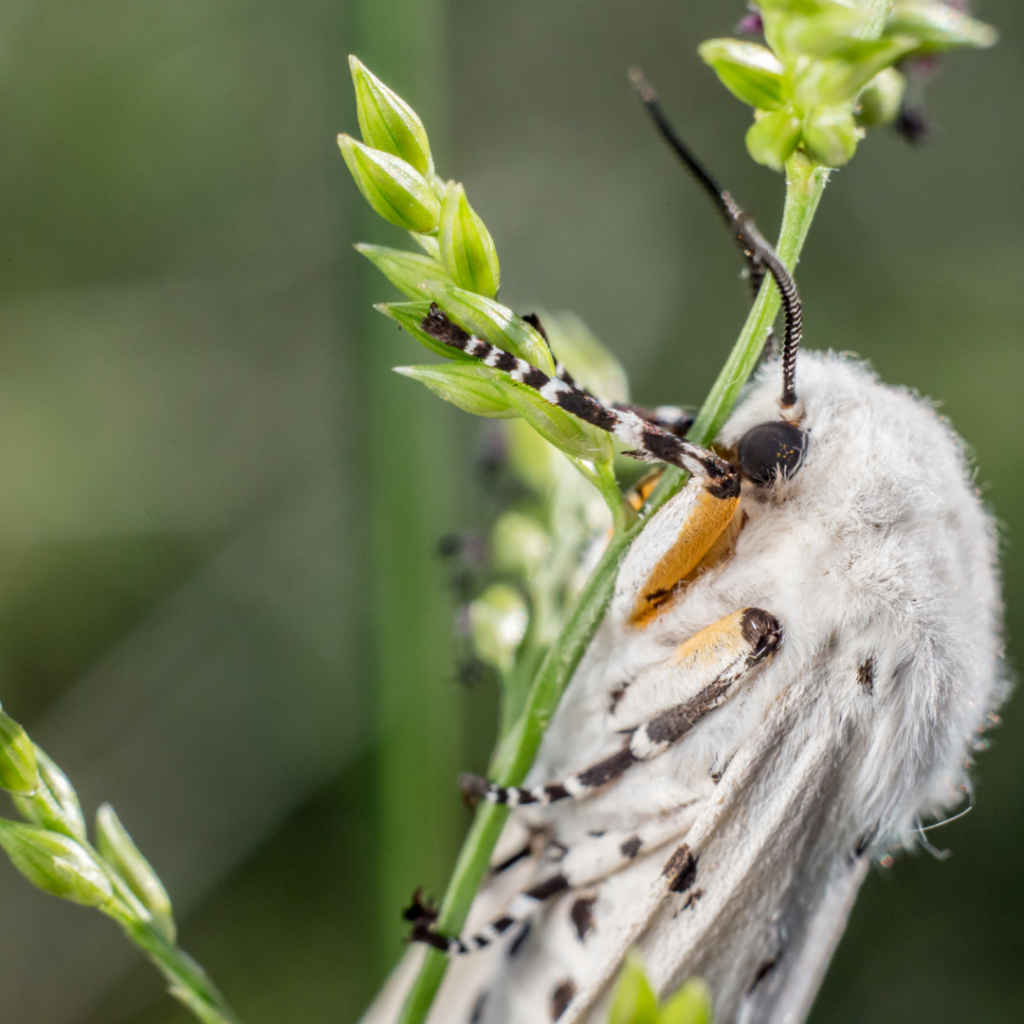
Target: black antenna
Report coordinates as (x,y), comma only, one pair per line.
(760,254)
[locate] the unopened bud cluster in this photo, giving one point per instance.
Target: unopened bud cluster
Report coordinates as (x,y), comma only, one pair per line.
(827,71)
(394,170)
(52,849)
(458,269)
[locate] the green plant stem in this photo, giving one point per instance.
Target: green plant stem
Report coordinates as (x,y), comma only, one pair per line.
(187,981)
(516,752)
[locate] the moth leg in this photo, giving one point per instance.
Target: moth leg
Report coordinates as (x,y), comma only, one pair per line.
(584,864)
(651,443)
(711,663)
(670,418)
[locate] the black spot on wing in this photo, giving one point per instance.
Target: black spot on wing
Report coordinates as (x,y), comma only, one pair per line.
(582,915)
(762,972)
(866,675)
(681,869)
(549,887)
(562,997)
(631,847)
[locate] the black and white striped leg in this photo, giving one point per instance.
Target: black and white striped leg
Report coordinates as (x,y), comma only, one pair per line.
(651,443)
(584,864)
(670,418)
(715,660)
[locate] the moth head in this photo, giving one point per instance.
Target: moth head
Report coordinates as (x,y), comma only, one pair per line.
(772,451)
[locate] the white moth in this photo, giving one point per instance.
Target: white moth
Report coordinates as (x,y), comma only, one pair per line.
(801,649)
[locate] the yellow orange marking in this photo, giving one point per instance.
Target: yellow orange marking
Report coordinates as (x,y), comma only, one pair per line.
(704,525)
(722,637)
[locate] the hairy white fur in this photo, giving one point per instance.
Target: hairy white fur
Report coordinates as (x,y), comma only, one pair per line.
(878,551)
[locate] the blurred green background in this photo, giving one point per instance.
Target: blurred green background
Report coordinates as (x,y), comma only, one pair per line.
(220,602)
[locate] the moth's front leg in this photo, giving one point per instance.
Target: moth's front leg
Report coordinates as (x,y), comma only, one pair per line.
(585,863)
(704,669)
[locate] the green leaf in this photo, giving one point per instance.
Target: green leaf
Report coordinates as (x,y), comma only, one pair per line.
(752,73)
(121,854)
(937,26)
(633,1001)
(590,362)
(497,624)
(409,315)
(387,122)
(405,270)
(494,322)
(471,386)
(831,135)
(55,863)
(18,771)
(394,188)
(484,391)
(879,101)
(690,1005)
(772,138)
(467,248)
(54,805)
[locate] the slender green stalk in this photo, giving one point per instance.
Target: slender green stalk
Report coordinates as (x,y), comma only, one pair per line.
(512,761)
(413,487)
(186,980)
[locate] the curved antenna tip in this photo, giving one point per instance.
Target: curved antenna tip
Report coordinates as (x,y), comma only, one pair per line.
(646,90)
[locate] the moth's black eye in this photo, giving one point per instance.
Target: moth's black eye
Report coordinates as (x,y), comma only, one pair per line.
(772,450)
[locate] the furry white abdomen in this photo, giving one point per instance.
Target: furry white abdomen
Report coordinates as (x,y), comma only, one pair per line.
(878,559)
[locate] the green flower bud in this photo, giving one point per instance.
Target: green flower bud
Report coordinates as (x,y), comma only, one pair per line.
(394,188)
(752,73)
(826,83)
(55,863)
(690,1005)
(831,135)
(121,854)
(590,363)
(18,771)
(937,26)
(387,122)
(879,100)
(497,624)
(772,138)
(409,315)
(533,460)
(473,387)
(54,805)
(494,322)
(633,1001)
(405,270)
(466,246)
(828,30)
(520,544)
